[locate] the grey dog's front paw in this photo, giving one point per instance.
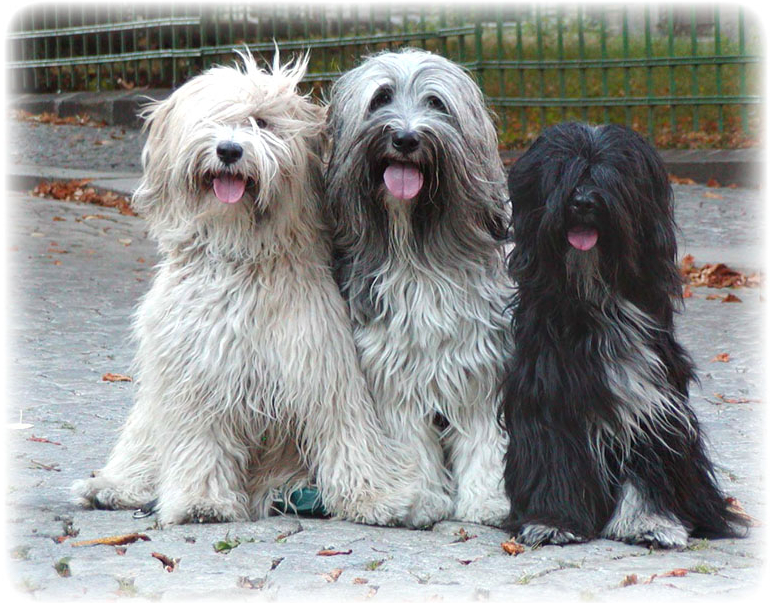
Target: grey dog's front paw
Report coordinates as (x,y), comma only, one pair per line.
(428,508)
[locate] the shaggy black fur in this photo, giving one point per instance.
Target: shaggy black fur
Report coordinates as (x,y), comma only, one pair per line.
(583,317)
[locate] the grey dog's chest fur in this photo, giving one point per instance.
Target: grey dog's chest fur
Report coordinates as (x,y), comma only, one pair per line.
(438,338)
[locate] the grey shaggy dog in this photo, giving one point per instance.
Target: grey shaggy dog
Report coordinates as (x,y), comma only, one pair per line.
(417,193)
(248,382)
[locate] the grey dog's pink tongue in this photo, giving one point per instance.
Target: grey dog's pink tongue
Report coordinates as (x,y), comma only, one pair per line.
(403,180)
(229,188)
(582,238)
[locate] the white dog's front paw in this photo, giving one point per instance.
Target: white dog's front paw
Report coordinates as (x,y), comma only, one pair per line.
(104,493)
(176,510)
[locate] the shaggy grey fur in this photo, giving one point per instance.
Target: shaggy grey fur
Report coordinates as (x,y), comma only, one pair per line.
(424,277)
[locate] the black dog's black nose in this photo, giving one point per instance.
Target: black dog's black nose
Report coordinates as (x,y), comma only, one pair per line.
(582,204)
(405,141)
(229,151)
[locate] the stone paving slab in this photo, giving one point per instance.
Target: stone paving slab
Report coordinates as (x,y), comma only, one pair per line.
(73,282)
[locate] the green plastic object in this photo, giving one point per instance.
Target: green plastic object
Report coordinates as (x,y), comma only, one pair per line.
(305,501)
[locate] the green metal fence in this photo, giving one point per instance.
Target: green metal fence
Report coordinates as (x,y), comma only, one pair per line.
(651,67)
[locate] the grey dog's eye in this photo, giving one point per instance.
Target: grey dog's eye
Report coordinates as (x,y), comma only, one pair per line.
(383,97)
(434,102)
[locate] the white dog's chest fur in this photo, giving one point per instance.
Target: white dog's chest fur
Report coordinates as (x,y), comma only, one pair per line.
(227,326)
(434,345)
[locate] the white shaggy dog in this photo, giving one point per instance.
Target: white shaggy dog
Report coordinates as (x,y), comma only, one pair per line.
(248,381)
(417,191)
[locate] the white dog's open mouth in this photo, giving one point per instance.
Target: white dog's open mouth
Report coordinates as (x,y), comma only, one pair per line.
(403,180)
(229,188)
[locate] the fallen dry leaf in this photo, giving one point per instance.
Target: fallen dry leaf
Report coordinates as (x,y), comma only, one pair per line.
(333,575)
(734,505)
(512,547)
(730,298)
(43,441)
(112,377)
(675,573)
(113,540)
(332,552)
(463,536)
(630,580)
(677,180)
(360,581)
(713,183)
(168,564)
(726,400)
(710,195)
(723,357)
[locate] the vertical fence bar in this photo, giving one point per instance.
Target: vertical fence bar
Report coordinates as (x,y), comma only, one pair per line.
(582,55)
(742,53)
(522,81)
(478,32)
(626,70)
(501,72)
(422,27)
(648,54)
(671,69)
(718,53)
(560,57)
(442,24)
(603,47)
(540,58)
(694,69)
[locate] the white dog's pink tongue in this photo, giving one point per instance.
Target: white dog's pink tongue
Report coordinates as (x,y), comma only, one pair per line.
(229,188)
(582,238)
(403,180)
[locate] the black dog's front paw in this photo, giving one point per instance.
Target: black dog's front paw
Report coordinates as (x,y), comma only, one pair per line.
(537,534)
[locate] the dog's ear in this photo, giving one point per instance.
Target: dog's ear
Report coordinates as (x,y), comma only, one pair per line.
(155,156)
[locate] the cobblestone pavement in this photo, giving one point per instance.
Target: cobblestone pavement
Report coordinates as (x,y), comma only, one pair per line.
(75,273)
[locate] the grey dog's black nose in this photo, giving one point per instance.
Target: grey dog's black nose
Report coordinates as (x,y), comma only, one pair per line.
(229,151)
(405,141)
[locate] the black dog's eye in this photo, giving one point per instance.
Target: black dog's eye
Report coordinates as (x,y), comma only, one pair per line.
(383,97)
(434,102)
(261,123)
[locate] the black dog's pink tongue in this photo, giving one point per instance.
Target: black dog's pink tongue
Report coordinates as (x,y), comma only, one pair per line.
(582,238)
(229,188)
(403,180)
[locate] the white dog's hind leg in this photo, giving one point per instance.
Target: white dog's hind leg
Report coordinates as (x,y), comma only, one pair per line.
(204,473)
(476,449)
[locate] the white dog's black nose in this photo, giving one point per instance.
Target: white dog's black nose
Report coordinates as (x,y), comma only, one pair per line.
(405,141)
(229,151)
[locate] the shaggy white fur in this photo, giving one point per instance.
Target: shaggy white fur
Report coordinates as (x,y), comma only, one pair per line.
(248,384)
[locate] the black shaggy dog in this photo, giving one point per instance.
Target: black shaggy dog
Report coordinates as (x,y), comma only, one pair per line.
(603,441)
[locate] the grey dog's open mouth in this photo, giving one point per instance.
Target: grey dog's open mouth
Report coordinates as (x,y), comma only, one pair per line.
(229,187)
(403,180)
